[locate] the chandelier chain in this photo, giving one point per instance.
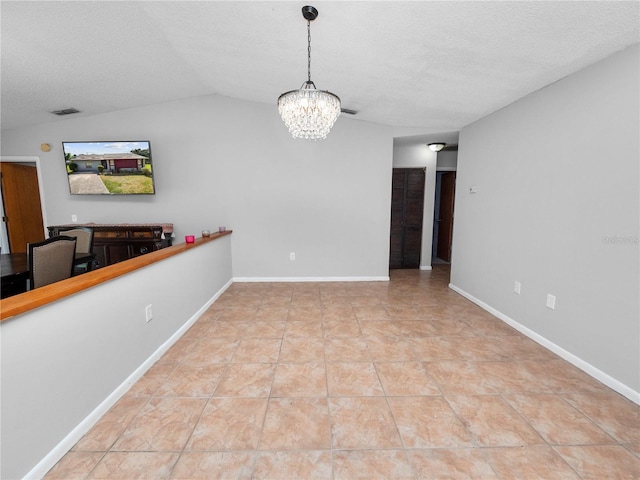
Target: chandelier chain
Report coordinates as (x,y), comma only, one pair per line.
(309,50)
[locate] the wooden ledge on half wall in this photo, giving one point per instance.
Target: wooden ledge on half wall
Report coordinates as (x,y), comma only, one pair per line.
(24,302)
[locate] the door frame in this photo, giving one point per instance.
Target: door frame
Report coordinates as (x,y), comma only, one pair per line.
(25,159)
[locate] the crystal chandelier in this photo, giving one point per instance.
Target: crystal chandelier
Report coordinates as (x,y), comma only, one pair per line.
(308,112)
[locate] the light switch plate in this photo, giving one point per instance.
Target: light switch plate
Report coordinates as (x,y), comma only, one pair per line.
(551,301)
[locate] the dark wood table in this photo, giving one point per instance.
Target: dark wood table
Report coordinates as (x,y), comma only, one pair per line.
(14,269)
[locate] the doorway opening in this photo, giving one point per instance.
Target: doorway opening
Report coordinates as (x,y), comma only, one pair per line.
(22,203)
(443,217)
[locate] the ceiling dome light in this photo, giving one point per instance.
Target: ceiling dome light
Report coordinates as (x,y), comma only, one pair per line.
(436,147)
(308,112)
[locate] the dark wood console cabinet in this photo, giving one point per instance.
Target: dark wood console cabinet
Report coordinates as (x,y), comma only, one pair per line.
(117,242)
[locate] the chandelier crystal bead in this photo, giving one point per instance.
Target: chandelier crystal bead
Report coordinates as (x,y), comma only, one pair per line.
(309,113)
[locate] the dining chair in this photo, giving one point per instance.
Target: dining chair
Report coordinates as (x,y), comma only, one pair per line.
(83,245)
(50,260)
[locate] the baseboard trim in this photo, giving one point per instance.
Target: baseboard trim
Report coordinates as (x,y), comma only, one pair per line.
(60,450)
(426,267)
(309,279)
(576,361)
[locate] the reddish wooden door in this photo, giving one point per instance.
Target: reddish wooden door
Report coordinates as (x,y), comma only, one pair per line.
(407,208)
(22,208)
(445,229)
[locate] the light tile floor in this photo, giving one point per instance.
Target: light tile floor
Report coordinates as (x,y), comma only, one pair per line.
(405,379)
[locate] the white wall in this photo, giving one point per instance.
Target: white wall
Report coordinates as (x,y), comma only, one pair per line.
(447,160)
(62,361)
(220,161)
(419,156)
(557,209)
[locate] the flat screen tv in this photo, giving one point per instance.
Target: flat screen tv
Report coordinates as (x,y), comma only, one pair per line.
(109,168)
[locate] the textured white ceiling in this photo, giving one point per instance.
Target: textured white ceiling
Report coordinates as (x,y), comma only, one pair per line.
(437,65)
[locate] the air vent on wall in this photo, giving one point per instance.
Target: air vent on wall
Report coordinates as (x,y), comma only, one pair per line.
(65,111)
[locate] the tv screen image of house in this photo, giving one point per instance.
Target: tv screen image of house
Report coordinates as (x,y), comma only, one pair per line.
(109,168)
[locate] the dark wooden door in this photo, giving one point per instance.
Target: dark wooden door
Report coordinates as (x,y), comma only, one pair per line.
(22,208)
(407,208)
(445,229)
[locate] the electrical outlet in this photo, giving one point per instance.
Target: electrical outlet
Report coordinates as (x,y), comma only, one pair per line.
(551,301)
(74,218)
(517,287)
(148,313)
(292,256)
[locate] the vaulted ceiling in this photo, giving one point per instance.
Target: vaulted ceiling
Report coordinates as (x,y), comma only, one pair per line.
(435,65)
